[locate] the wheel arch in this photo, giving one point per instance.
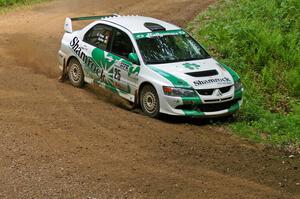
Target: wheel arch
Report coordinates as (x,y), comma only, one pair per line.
(155,112)
(142,85)
(69,59)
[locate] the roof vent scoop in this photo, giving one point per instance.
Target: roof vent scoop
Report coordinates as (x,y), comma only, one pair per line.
(154,27)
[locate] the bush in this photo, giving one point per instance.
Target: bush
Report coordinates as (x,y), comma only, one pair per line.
(261,41)
(7,3)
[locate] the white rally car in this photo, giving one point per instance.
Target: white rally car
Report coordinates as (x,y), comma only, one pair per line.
(151,63)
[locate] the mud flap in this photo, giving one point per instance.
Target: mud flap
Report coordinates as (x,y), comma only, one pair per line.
(63,68)
(64,75)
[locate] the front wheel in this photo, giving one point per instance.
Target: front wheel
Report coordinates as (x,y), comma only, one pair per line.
(149,101)
(75,73)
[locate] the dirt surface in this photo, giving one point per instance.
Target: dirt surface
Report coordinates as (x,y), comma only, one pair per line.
(57,141)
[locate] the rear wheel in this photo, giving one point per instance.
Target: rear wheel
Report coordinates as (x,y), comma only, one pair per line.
(149,101)
(75,73)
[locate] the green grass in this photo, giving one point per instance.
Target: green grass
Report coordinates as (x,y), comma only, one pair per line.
(6,5)
(261,41)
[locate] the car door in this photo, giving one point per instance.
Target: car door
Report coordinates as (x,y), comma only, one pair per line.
(125,72)
(109,49)
(96,44)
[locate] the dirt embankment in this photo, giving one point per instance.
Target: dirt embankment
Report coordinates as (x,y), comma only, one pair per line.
(60,142)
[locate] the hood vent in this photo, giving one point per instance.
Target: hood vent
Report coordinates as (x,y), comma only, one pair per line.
(203,73)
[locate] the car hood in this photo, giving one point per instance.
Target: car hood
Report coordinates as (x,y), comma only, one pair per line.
(200,74)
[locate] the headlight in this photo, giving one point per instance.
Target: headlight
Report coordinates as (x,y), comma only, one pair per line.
(179,92)
(238,85)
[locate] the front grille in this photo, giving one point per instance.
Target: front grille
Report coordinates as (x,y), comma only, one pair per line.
(209,107)
(218,100)
(210,91)
(205,91)
(216,106)
(203,73)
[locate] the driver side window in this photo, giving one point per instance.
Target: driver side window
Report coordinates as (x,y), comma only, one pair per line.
(122,45)
(99,36)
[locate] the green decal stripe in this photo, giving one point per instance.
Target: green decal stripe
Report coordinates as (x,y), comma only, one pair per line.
(191,100)
(234,108)
(132,70)
(234,75)
(238,94)
(111,87)
(193,113)
(99,58)
(101,62)
(158,33)
(177,82)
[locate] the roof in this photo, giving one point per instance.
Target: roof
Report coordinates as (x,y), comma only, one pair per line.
(136,24)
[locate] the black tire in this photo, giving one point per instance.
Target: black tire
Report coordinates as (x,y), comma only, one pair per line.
(75,73)
(149,101)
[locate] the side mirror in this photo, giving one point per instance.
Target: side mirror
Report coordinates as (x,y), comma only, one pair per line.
(68,25)
(134,58)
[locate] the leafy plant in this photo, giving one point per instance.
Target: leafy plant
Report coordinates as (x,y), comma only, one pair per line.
(9,3)
(261,41)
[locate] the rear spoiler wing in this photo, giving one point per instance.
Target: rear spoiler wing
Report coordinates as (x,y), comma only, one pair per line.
(68,22)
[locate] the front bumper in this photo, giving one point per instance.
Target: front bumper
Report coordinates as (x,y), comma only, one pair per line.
(194,107)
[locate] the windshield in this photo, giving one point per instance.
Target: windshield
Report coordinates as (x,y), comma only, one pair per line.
(170,48)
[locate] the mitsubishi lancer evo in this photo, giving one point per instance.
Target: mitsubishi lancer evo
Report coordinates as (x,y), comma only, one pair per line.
(150,63)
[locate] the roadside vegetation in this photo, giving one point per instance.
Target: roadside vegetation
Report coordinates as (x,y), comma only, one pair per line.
(261,41)
(4,4)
